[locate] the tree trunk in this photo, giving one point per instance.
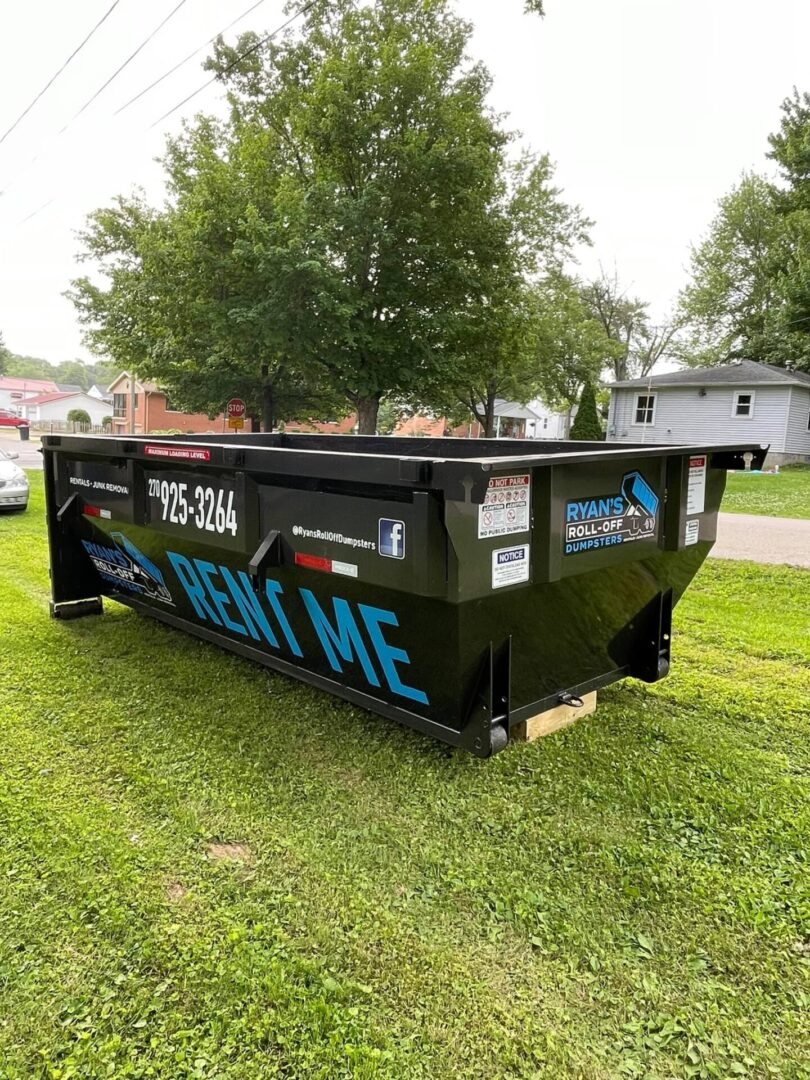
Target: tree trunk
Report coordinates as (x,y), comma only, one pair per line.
(367,408)
(489,416)
(267,400)
(255,424)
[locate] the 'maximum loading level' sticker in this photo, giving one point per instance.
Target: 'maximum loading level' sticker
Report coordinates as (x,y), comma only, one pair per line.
(505,508)
(619,518)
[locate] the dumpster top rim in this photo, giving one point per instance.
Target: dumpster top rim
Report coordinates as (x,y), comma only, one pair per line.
(395,448)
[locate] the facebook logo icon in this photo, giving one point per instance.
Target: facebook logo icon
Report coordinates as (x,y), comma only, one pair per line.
(392,538)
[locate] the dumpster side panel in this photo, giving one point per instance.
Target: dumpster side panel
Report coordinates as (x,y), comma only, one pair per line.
(371,640)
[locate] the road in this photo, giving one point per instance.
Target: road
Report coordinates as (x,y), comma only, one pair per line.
(30,457)
(763,539)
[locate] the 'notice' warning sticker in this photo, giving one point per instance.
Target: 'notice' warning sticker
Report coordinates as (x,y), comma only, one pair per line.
(510,566)
(505,508)
(696,487)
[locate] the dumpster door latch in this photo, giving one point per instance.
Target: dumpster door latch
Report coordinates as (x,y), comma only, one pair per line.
(267,554)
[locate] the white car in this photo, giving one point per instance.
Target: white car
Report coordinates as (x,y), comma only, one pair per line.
(13,483)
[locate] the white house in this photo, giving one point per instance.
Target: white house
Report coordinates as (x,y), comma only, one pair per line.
(14,390)
(54,408)
(742,402)
(547,424)
(99,392)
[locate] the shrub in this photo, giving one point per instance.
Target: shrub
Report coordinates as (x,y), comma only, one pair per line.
(78,416)
(586,423)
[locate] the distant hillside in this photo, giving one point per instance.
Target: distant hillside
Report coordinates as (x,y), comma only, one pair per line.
(74,372)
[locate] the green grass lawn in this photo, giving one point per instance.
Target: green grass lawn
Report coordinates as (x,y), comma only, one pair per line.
(783,494)
(629,898)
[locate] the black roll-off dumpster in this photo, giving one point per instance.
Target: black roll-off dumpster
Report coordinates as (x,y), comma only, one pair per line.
(460,586)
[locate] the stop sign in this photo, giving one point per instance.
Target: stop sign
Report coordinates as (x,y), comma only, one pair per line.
(235,409)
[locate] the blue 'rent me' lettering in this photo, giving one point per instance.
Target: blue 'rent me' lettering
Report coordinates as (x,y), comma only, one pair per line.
(227,600)
(345,637)
(211,604)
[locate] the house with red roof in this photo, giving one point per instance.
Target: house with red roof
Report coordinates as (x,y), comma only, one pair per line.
(53,408)
(14,390)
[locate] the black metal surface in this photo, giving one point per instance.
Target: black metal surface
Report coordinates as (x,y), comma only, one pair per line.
(458,586)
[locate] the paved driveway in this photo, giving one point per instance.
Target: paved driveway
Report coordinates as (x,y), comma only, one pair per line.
(30,457)
(763,539)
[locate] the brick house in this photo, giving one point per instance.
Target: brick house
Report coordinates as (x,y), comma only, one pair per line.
(153,411)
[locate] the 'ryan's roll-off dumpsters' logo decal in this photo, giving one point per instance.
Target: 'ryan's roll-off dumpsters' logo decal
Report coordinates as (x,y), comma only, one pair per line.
(620,518)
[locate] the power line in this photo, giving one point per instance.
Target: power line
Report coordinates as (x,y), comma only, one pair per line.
(190,56)
(39,210)
(100,90)
(262,41)
(128,60)
(53,78)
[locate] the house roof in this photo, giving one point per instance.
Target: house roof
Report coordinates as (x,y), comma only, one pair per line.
(140,385)
(745,373)
(70,388)
(514,411)
(42,399)
(34,386)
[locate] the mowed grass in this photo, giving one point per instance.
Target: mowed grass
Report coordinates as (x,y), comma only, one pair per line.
(782,494)
(629,898)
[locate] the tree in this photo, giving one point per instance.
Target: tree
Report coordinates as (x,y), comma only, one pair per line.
(74,372)
(499,341)
(389,161)
(5,356)
(620,317)
(635,344)
(186,302)
(655,342)
(572,346)
(790,150)
(78,416)
(749,293)
(587,424)
(732,303)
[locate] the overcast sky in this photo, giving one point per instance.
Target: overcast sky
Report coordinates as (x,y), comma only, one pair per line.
(650,108)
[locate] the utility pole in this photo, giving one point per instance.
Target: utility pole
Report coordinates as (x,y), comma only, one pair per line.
(132,404)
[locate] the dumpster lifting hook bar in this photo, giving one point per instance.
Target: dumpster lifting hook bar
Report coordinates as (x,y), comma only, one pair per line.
(570,699)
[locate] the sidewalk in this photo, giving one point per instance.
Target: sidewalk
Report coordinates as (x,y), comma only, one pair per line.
(763,539)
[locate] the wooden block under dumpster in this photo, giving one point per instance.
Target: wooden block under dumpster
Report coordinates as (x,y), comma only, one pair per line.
(546,723)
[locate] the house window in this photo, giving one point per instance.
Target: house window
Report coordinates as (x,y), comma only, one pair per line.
(645,409)
(120,404)
(743,403)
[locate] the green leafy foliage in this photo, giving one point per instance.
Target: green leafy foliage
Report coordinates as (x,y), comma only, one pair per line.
(732,301)
(504,345)
(5,356)
(749,294)
(627,898)
(74,372)
(78,416)
(355,230)
(587,424)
